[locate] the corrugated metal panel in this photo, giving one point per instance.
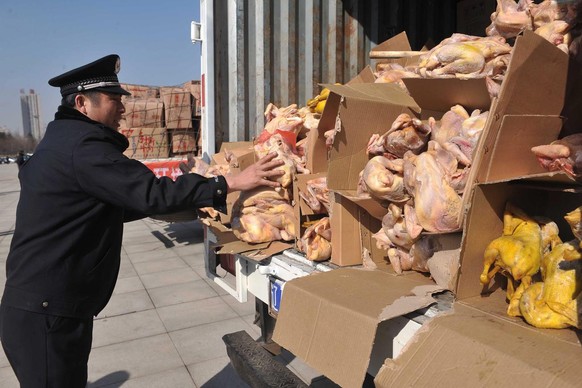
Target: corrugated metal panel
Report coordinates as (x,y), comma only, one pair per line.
(280,50)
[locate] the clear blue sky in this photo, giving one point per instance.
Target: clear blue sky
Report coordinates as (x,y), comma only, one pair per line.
(43,38)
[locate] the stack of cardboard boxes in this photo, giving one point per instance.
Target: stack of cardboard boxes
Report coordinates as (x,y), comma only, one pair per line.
(161,121)
(335,320)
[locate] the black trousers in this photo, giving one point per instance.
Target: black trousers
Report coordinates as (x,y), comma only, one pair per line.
(46,351)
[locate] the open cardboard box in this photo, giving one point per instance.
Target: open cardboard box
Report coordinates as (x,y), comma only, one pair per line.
(532,98)
(304,213)
(352,228)
(317,152)
(335,320)
(228,243)
(372,108)
(332,320)
(478,343)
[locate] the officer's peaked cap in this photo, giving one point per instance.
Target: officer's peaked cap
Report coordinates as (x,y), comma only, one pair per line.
(100,75)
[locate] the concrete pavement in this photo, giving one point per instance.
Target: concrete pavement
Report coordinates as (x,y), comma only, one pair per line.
(164,324)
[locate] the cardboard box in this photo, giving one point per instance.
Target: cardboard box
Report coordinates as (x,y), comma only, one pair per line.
(317,151)
(243,151)
(352,228)
(143,113)
(227,243)
(475,343)
(140,91)
(195,89)
(146,143)
(331,320)
(372,108)
(183,141)
(334,320)
(177,107)
(535,86)
(479,343)
(304,213)
(470,349)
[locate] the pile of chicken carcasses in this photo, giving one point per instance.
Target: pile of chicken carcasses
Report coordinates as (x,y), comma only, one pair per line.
(544,274)
(419,169)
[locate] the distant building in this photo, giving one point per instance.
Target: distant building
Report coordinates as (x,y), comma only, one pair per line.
(30,114)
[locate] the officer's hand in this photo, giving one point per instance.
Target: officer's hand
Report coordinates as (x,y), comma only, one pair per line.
(256,175)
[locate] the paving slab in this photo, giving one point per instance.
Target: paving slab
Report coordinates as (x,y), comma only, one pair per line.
(181,293)
(216,373)
(200,312)
(127,327)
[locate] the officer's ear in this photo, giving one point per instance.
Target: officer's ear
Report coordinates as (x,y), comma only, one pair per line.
(81,102)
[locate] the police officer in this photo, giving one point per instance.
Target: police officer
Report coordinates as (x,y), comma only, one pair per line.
(77,190)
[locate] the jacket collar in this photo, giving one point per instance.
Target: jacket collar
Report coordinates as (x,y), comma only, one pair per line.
(67,113)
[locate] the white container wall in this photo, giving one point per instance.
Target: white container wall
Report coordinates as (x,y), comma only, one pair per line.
(280,50)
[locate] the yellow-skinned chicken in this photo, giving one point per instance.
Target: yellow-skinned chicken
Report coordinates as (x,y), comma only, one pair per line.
(517,253)
(553,303)
(317,103)
(574,219)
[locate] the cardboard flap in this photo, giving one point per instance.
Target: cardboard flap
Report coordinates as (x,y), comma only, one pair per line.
(535,81)
(366,76)
(371,205)
(439,95)
(469,348)
(228,243)
(398,42)
(421,297)
(329,319)
(378,92)
(255,252)
(510,154)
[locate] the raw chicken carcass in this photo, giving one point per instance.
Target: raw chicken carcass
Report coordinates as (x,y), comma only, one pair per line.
(562,155)
(574,219)
(466,141)
(263,222)
(284,119)
(394,73)
(437,204)
(405,134)
(462,56)
(556,33)
(261,196)
(317,195)
(292,162)
(397,227)
(554,302)
(510,18)
(450,125)
(254,229)
(316,241)
(517,253)
(380,182)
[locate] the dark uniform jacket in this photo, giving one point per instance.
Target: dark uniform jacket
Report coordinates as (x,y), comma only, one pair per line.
(76,191)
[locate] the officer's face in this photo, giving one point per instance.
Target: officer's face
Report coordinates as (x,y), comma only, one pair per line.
(106,109)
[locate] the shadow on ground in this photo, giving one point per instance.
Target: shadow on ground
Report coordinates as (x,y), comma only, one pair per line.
(112,380)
